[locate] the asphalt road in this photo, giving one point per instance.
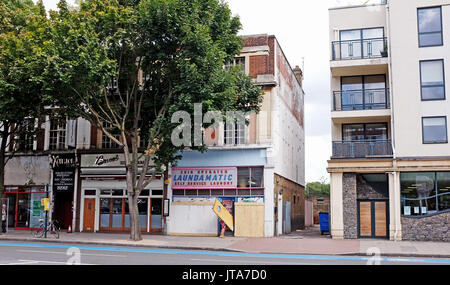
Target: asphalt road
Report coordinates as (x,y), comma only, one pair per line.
(16,253)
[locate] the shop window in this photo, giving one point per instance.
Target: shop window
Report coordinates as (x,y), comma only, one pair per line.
(244,192)
(204,192)
(178,192)
(105,192)
(145,193)
(229,192)
(191,192)
(257,192)
(425,193)
(216,192)
(157,192)
(116,192)
(90,192)
(250,177)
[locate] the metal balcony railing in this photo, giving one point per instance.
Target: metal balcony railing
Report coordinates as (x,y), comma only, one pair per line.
(369,99)
(362,149)
(359,49)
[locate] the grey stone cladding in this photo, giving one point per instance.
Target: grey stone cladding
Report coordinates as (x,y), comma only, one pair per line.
(433,228)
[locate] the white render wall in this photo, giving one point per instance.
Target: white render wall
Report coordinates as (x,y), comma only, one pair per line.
(406,54)
(287,132)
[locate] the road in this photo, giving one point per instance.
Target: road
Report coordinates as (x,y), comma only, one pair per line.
(16,253)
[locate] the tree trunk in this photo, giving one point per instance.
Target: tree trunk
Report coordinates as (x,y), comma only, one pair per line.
(4,137)
(135,233)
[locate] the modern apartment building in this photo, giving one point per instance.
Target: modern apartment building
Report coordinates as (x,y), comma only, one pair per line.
(390,165)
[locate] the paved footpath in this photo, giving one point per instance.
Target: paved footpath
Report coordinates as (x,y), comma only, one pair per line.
(301,242)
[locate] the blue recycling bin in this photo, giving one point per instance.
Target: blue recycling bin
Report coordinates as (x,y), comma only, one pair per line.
(324,220)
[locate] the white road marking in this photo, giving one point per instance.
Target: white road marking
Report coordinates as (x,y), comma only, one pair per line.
(59,252)
(51,262)
(253,262)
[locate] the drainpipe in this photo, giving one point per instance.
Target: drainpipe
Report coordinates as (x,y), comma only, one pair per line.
(394,156)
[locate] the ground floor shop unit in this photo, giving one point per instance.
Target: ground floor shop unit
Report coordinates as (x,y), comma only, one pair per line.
(405,199)
(243,180)
(104,203)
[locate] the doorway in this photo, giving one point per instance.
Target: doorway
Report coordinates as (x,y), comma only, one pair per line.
(156,215)
(373,217)
(228,203)
(89,215)
(63,210)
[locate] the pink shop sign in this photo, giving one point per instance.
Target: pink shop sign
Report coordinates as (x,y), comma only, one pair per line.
(204,177)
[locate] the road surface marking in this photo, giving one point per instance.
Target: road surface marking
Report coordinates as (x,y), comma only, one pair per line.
(250,262)
(82,253)
(234,254)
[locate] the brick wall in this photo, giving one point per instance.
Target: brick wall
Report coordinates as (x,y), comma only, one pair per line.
(291,190)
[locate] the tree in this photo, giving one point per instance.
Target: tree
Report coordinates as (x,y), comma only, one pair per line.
(317,188)
(127,66)
(23,32)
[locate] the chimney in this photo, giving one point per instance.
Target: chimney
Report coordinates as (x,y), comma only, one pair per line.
(298,74)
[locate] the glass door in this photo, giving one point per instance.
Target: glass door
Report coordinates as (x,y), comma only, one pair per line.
(105,214)
(116,214)
(23,211)
(156,214)
(12,199)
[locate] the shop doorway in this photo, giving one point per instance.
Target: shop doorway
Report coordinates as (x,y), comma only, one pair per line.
(373,217)
(115,214)
(156,215)
(228,203)
(11,198)
(63,209)
(89,215)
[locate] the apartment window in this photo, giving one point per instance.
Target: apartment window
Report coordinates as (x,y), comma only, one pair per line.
(434,130)
(432,80)
(361,43)
(430,26)
(234,134)
(365,132)
(107,142)
(57,135)
(363,92)
(425,193)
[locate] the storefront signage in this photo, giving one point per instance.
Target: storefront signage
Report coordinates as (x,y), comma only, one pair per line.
(204,178)
(63,172)
(106,160)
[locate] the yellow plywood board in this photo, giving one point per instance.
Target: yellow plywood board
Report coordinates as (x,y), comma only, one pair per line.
(249,219)
(223,214)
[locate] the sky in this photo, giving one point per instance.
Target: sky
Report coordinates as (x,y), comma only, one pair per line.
(301,27)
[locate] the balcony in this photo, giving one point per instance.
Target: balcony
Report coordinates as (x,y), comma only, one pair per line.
(357,100)
(359,49)
(362,149)
(359,57)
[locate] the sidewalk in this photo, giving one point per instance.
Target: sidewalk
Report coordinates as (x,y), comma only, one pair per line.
(308,242)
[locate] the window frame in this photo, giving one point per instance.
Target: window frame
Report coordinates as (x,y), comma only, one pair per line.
(443,80)
(57,131)
(365,131)
(424,33)
(435,195)
(446,130)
